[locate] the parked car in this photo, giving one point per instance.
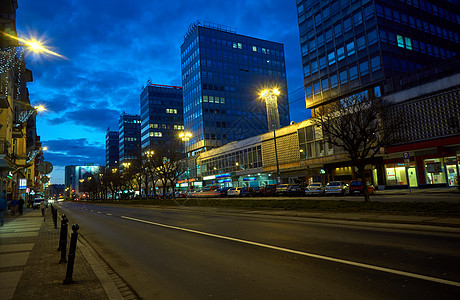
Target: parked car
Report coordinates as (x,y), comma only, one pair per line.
(269,190)
(315,188)
(356,186)
(336,188)
(281,190)
(258,191)
(181,194)
(37,201)
(234,191)
(246,192)
(295,190)
(222,192)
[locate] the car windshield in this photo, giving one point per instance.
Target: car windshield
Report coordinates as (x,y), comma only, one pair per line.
(356,183)
(335,183)
(315,184)
(282,185)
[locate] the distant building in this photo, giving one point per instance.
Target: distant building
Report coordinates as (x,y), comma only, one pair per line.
(161,117)
(111,149)
(223,74)
(129,137)
(77,178)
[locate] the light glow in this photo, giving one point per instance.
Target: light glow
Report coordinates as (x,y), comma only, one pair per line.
(34,45)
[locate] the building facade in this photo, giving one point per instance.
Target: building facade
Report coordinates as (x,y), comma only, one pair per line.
(350,46)
(161,117)
(112,157)
(223,74)
(129,137)
(20,148)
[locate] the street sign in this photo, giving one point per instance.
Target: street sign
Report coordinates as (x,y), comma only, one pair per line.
(406,155)
(45,167)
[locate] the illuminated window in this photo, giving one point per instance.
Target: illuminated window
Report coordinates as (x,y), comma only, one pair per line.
(156,134)
(254,48)
(350,48)
(171,111)
(400,40)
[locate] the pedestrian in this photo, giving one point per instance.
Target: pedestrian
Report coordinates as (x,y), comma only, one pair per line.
(3,207)
(14,206)
(20,206)
(43,208)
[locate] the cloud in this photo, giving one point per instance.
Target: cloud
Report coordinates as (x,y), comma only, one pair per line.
(97,118)
(63,152)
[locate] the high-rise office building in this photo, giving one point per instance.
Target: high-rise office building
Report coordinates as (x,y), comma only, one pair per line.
(369,46)
(223,74)
(129,137)
(161,117)
(111,149)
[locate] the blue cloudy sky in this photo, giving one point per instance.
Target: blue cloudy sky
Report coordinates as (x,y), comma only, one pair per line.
(114,46)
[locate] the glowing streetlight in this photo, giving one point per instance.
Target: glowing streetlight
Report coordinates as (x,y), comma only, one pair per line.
(40,108)
(45,148)
(185,137)
(34,45)
(273,118)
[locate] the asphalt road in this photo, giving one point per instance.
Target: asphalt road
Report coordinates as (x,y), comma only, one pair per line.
(192,254)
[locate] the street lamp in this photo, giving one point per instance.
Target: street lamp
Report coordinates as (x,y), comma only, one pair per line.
(273,119)
(126,165)
(185,137)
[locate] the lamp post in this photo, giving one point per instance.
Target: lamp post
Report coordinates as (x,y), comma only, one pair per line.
(185,137)
(273,119)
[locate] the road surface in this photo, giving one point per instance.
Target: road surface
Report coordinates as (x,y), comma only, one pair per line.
(193,254)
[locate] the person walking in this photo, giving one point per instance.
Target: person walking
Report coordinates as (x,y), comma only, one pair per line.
(14,206)
(20,206)
(3,207)
(43,208)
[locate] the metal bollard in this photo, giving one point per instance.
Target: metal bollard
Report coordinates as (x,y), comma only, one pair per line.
(72,248)
(54,211)
(63,239)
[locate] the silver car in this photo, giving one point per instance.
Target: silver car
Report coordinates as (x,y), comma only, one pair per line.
(336,188)
(315,188)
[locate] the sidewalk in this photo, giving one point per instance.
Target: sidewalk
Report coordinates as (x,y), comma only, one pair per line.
(29,263)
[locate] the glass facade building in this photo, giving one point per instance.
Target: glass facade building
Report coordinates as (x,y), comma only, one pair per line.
(350,46)
(111,149)
(161,117)
(129,137)
(223,74)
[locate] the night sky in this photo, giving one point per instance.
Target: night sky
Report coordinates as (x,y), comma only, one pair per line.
(113,47)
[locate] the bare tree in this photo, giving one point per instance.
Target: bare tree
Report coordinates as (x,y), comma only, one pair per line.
(168,166)
(361,127)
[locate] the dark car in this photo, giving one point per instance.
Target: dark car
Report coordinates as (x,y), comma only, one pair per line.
(222,191)
(246,192)
(356,186)
(295,190)
(269,190)
(258,191)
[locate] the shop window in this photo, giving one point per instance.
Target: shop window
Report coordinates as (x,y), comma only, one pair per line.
(434,171)
(396,174)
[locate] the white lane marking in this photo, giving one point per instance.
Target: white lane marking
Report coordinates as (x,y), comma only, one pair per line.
(98,212)
(108,214)
(337,260)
